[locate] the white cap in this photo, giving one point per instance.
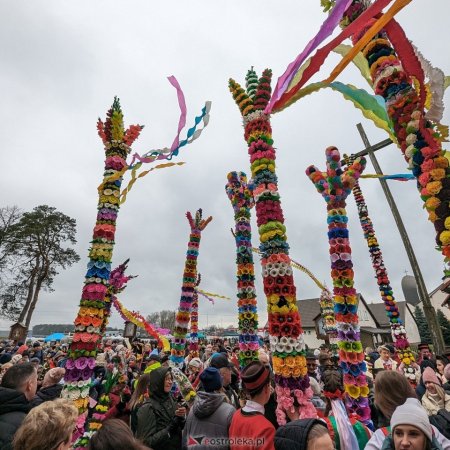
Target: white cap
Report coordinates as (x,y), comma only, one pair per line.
(412,413)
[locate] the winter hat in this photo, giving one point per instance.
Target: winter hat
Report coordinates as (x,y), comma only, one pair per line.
(294,435)
(429,375)
(22,348)
(211,379)
(254,376)
(16,358)
(412,413)
(53,376)
(447,372)
(195,362)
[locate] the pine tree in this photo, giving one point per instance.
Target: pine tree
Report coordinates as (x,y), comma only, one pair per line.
(422,325)
(444,323)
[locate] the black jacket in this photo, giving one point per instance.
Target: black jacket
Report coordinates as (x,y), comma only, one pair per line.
(157,425)
(45,394)
(14,406)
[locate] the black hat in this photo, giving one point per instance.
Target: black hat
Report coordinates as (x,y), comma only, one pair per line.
(220,360)
(294,435)
(37,344)
(211,379)
(153,357)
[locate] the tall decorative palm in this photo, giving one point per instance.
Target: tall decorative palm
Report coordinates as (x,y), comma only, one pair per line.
(418,134)
(197,225)
(335,185)
(387,295)
(241,197)
(95,301)
(289,363)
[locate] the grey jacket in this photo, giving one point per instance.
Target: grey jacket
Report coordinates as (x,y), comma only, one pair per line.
(209,419)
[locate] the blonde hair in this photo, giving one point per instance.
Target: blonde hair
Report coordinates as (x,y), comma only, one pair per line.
(47,426)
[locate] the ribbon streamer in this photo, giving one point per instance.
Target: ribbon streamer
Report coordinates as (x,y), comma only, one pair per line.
(326,30)
(210,295)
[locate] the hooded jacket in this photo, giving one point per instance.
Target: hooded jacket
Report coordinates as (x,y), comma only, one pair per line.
(14,406)
(210,417)
(46,394)
(294,435)
(157,425)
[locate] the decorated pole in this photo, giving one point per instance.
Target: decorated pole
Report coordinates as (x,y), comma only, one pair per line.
(193,335)
(241,197)
(335,185)
(197,225)
(327,313)
(398,73)
(95,301)
(387,295)
(288,350)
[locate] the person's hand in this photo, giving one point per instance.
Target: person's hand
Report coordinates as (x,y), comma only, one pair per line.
(293,415)
(180,411)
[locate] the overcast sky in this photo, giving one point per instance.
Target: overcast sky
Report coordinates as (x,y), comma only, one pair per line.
(61,65)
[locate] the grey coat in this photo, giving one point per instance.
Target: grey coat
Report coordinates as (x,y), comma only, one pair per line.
(210,419)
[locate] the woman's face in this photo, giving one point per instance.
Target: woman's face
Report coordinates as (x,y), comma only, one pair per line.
(321,443)
(168,382)
(407,437)
(431,387)
(440,366)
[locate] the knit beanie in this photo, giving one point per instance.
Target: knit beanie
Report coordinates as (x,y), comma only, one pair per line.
(429,376)
(294,435)
(16,358)
(412,413)
(254,376)
(211,379)
(53,376)
(447,372)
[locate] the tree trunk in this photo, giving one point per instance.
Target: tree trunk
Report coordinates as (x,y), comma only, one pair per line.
(37,289)
(30,292)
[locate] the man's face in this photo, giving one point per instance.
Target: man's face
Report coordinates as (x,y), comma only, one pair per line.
(311,365)
(385,354)
(30,387)
(426,353)
(225,372)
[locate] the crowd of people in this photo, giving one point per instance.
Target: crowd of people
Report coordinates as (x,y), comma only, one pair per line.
(234,408)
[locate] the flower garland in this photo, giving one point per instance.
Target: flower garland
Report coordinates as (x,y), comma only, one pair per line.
(287,345)
(95,301)
(398,330)
(335,185)
(241,197)
(193,335)
(327,312)
(420,139)
(187,290)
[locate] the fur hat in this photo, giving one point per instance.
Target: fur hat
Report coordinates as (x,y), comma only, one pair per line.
(412,413)
(429,376)
(53,376)
(211,379)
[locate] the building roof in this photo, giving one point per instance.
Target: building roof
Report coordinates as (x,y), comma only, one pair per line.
(309,309)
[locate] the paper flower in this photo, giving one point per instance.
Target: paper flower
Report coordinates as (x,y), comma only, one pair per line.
(278,280)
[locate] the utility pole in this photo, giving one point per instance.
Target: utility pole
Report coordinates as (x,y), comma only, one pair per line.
(429,311)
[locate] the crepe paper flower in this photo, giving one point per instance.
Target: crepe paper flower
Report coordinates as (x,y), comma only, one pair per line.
(197,225)
(378,265)
(334,185)
(278,280)
(240,194)
(419,133)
